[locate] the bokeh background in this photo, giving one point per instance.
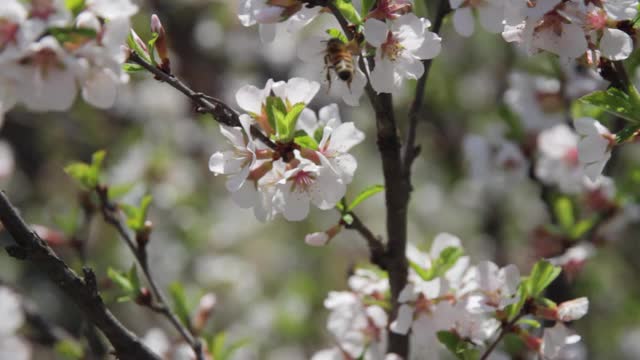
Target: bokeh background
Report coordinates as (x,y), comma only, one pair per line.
(270,286)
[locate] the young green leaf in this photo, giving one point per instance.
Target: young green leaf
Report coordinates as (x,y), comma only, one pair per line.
(617,102)
(69,349)
(117,191)
(447,259)
(364,195)
(563,209)
(366,7)
(542,274)
(463,350)
(180,306)
(627,134)
(72,34)
(337,34)
(287,129)
(306,141)
(123,282)
(83,174)
(348,11)
(132,68)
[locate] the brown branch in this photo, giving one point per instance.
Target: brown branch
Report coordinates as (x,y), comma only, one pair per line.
(411,151)
(376,246)
(111,216)
(505,329)
(220,111)
(82,291)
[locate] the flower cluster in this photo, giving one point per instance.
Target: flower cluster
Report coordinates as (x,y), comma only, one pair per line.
(572,29)
(308,161)
(48,52)
(448,299)
(399,39)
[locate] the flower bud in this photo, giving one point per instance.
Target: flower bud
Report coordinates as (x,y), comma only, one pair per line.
(161,43)
(573,309)
(205,309)
(322,238)
(139,41)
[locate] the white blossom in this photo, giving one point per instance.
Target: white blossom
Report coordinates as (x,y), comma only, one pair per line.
(594,146)
(400,44)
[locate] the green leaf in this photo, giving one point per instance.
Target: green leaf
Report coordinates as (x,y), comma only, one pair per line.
(276,112)
(136,216)
(348,11)
(176,291)
(513,310)
(69,349)
(133,278)
(463,350)
(366,7)
(627,134)
(121,280)
(72,35)
(337,34)
(136,48)
(364,195)
(75,6)
(82,173)
(118,191)
(581,228)
(152,48)
(287,129)
(563,209)
(439,266)
(617,102)
(530,322)
(306,141)
(542,274)
(582,109)
(132,68)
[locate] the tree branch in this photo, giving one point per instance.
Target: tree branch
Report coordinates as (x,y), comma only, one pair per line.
(376,247)
(220,111)
(83,292)
(411,151)
(110,214)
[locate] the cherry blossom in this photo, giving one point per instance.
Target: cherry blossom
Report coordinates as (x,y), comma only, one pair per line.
(400,45)
(236,163)
(313,51)
(494,288)
(290,14)
(556,339)
(594,146)
(337,139)
(557,163)
(490,14)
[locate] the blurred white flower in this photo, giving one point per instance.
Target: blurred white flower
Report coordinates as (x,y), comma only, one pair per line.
(400,45)
(594,146)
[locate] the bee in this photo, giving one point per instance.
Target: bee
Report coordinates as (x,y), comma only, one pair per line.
(339,58)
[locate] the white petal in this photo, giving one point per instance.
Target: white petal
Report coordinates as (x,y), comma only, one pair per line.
(570,44)
(111,9)
(463,21)
(615,44)
(250,98)
(430,47)
(573,309)
(592,148)
(345,137)
(375,32)
(586,126)
(441,242)
(296,207)
(329,112)
(316,239)
(100,88)
(403,321)
(267,32)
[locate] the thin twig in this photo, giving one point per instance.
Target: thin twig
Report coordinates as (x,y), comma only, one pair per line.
(221,112)
(411,151)
(505,329)
(110,214)
(376,246)
(82,291)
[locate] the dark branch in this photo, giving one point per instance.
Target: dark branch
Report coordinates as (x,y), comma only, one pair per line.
(111,216)
(220,111)
(376,247)
(83,292)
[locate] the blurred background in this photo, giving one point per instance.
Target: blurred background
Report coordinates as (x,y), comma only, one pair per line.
(269,285)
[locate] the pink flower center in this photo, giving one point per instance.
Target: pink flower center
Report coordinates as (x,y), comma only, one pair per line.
(597,20)
(571,156)
(391,48)
(302,180)
(8,31)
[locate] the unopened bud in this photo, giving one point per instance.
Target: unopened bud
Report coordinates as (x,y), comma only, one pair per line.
(139,41)
(161,44)
(142,236)
(322,238)
(205,309)
(573,309)
(144,297)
